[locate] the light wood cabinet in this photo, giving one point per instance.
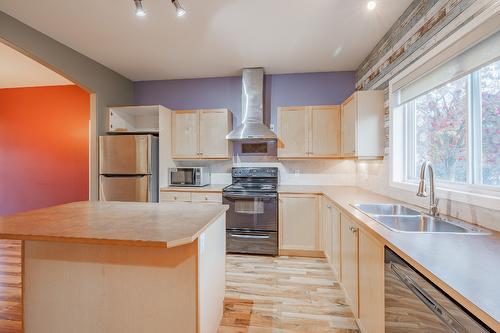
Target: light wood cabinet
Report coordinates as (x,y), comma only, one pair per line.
(371,284)
(175,196)
(299,224)
(335,259)
(309,132)
(326,228)
(201,134)
(199,197)
(330,234)
(349,257)
(134,119)
(362,125)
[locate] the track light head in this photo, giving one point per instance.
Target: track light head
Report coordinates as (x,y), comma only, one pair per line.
(178,8)
(139,10)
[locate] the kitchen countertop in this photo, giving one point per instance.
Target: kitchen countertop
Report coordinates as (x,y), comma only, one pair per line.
(213,188)
(466,267)
(120,223)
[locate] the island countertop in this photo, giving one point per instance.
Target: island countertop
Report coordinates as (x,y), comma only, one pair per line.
(121,223)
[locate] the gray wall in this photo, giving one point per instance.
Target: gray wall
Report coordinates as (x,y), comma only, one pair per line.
(109,87)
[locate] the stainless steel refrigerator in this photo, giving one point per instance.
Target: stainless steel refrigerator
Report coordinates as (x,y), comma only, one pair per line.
(128,168)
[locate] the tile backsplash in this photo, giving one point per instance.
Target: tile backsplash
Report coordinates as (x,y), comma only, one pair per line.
(306,172)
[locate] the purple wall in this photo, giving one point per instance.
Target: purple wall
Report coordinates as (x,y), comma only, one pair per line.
(225,92)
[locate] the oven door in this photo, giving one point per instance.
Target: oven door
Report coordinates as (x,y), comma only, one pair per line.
(252,211)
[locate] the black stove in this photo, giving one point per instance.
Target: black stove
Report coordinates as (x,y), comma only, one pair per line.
(252,218)
(249,188)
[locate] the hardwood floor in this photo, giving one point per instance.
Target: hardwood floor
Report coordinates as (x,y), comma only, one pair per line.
(263,294)
(10,287)
(283,295)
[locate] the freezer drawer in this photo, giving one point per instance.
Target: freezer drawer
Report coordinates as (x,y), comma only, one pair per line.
(127,188)
(240,241)
(126,154)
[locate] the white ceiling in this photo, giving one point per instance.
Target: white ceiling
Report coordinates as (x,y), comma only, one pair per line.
(17,70)
(215,37)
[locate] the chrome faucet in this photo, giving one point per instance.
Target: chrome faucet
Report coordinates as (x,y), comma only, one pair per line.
(433,205)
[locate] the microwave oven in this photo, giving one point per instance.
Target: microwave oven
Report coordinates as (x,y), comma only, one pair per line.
(188,176)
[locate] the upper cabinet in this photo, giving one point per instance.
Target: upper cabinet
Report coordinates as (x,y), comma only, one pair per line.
(362,116)
(201,134)
(306,132)
(134,119)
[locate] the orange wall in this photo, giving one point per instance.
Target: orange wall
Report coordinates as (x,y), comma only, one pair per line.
(43,147)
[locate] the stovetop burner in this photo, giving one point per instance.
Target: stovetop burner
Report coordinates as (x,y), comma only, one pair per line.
(247,179)
(251,188)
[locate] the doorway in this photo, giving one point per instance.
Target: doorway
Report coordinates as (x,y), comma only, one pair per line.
(45,154)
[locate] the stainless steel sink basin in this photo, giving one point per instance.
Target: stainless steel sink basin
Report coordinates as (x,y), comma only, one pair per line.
(386,209)
(424,223)
(403,219)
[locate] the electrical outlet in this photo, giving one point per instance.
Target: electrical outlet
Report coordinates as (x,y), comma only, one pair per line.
(297,172)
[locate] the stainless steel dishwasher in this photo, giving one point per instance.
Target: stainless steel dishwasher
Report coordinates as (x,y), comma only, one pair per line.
(413,304)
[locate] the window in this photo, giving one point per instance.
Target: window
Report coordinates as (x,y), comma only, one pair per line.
(457,127)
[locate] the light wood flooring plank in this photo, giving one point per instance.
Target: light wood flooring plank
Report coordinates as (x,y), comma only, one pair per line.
(283,295)
(10,287)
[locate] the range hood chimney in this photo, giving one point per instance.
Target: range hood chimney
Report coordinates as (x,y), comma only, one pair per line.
(252,126)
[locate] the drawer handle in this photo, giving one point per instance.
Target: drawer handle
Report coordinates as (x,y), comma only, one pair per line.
(251,236)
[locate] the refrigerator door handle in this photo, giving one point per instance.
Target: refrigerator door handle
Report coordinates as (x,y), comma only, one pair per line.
(124,176)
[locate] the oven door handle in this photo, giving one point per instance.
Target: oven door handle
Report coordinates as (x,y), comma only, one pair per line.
(250,236)
(251,196)
(428,300)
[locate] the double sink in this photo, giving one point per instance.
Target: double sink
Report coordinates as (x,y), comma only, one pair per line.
(403,219)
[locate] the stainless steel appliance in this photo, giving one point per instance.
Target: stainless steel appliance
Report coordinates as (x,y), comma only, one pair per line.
(252,218)
(128,168)
(413,304)
(252,126)
(194,176)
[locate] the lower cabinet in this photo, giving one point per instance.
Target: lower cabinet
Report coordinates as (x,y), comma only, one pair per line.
(371,284)
(349,257)
(199,197)
(311,224)
(330,234)
(299,224)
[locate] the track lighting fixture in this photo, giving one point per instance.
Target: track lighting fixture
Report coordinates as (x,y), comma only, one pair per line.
(178,8)
(139,10)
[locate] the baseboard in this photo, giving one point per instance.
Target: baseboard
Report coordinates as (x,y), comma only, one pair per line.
(302,253)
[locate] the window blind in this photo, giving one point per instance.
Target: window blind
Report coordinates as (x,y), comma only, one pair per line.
(458,60)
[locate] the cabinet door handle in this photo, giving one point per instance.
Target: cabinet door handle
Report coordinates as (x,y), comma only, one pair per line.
(329,206)
(353,229)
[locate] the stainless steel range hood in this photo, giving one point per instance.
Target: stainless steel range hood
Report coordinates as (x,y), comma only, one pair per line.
(252,126)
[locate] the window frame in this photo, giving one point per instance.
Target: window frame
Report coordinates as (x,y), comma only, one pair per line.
(487,196)
(474,147)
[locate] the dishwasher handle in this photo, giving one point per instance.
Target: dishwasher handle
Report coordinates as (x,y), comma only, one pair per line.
(428,300)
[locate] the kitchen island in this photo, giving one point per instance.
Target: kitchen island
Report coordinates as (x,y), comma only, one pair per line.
(121,267)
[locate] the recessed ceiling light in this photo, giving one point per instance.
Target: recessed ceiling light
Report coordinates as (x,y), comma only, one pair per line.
(139,10)
(371,5)
(178,8)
